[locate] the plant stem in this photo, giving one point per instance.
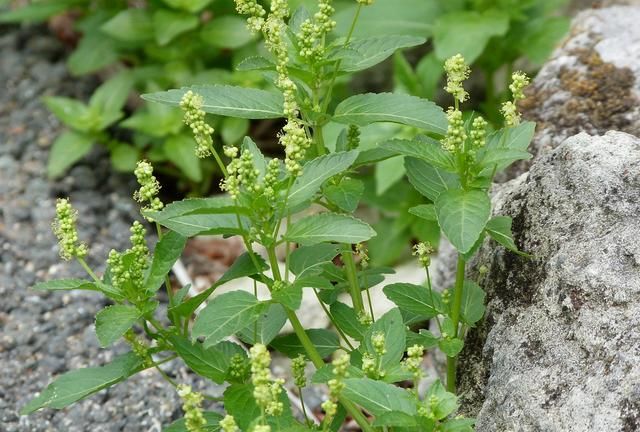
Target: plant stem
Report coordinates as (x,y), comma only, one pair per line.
(455,317)
(350,269)
(86,267)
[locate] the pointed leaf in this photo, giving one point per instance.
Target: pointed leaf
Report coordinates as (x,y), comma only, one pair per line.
(378,397)
(166,253)
(65,285)
(227,101)
(346,194)
(393,328)
(325,341)
(462,215)
(427,180)
(266,327)
(114,321)
(347,320)
(369,108)
(329,227)
(499,228)
(473,306)
(424,211)
(66,150)
(311,259)
(361,54)
(207,362)
(424,148)
(415,299)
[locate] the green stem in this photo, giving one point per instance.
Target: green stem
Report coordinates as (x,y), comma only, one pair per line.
(311,350)
(319,139)
(333,321)
(350,269)
(455,318)
(86,267)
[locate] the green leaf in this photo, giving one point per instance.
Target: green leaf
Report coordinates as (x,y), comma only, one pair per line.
(207,224)
(311,259)
(316,172)
(415,299)
(124,157)
(209,362)
(268,326)
(113,321)
(242,266)
(188,5)
(227,31)
(233,129)
(180,150)
(424,337)
(329,227)
(212,418)
(543,36)
(467,32)
(424,211)
(220,203)
(451,347)
(378,397)
(73,113)
(346,319)
(325,373)
(361,54)
(240,403)
(499,228)
(258,158)
(225,315)
(36,12)
(397,419)
(66,150)
(427,180)
(165,255)
(392,326)
(290,296)
(65,285)
(80,383)
(499,158)
(130,25)
(92,54)
(111,96)
(255,63)
(424,148)
(346,194)
(388,172)
(458,425)
(409,110)
(227,101)
(325,341)
(167,25)
(462,215)
(447,403)
(473,307)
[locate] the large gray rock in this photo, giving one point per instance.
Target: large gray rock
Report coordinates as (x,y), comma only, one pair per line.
(591,84)
(559,349)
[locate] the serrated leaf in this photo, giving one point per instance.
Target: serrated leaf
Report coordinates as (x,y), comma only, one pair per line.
(80,383)
(311,259)
(425,148)
(207,224)
(473,307)
(65,285)
(346,194)
(221,204)
(462,215)
(415,299)
(424,211)
(225,315)
(392,327)
(166,253)
(227,101)
(114,321)
(427,180)
(290,296)
(329,227)
(325,341)
(378,397)
(259,160)
(316,172)
(209,362)
(361,54)
(369,108)
(266,327)
(347,320)
(255,63)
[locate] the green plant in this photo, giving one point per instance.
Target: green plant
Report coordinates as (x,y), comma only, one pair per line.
(325,250)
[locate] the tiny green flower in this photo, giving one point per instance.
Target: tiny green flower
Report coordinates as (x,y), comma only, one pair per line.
(365,319)
(266,390)
(478,133)
(149,187)
(454,140)
(353,137)
(413,362)
(363,253)
(295,142)
(457,71)
(192,407)
(509,109)
(423,251)
(238,367)
(519,80)
(191,103)
(228,424)
(369,365)
(378,342)
(510,113)
(64,227)
(255,11)
(298,367)
(262,428)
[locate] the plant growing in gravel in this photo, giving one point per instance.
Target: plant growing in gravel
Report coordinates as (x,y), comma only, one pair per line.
(268,203)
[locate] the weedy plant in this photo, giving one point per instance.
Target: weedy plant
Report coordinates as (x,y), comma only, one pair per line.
(268,203)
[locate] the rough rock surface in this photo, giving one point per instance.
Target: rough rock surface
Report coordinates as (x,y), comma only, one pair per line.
(559,349)
(45,334)
(591,84)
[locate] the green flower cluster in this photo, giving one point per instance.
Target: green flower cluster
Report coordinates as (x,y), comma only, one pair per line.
(255,11)
(313,31)
(192,407)
(478,133)
(228,424)
(191,104)
(453,142)
(371,364)
(266,390)
(298,366)
(413,362)
(132,272)
(457,72)
(509,109)
(353,137)
(64,227)
(336,385)
(149,187)
(241,172)
(423,251)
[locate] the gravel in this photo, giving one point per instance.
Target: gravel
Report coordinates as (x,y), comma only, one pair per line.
(45,334)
